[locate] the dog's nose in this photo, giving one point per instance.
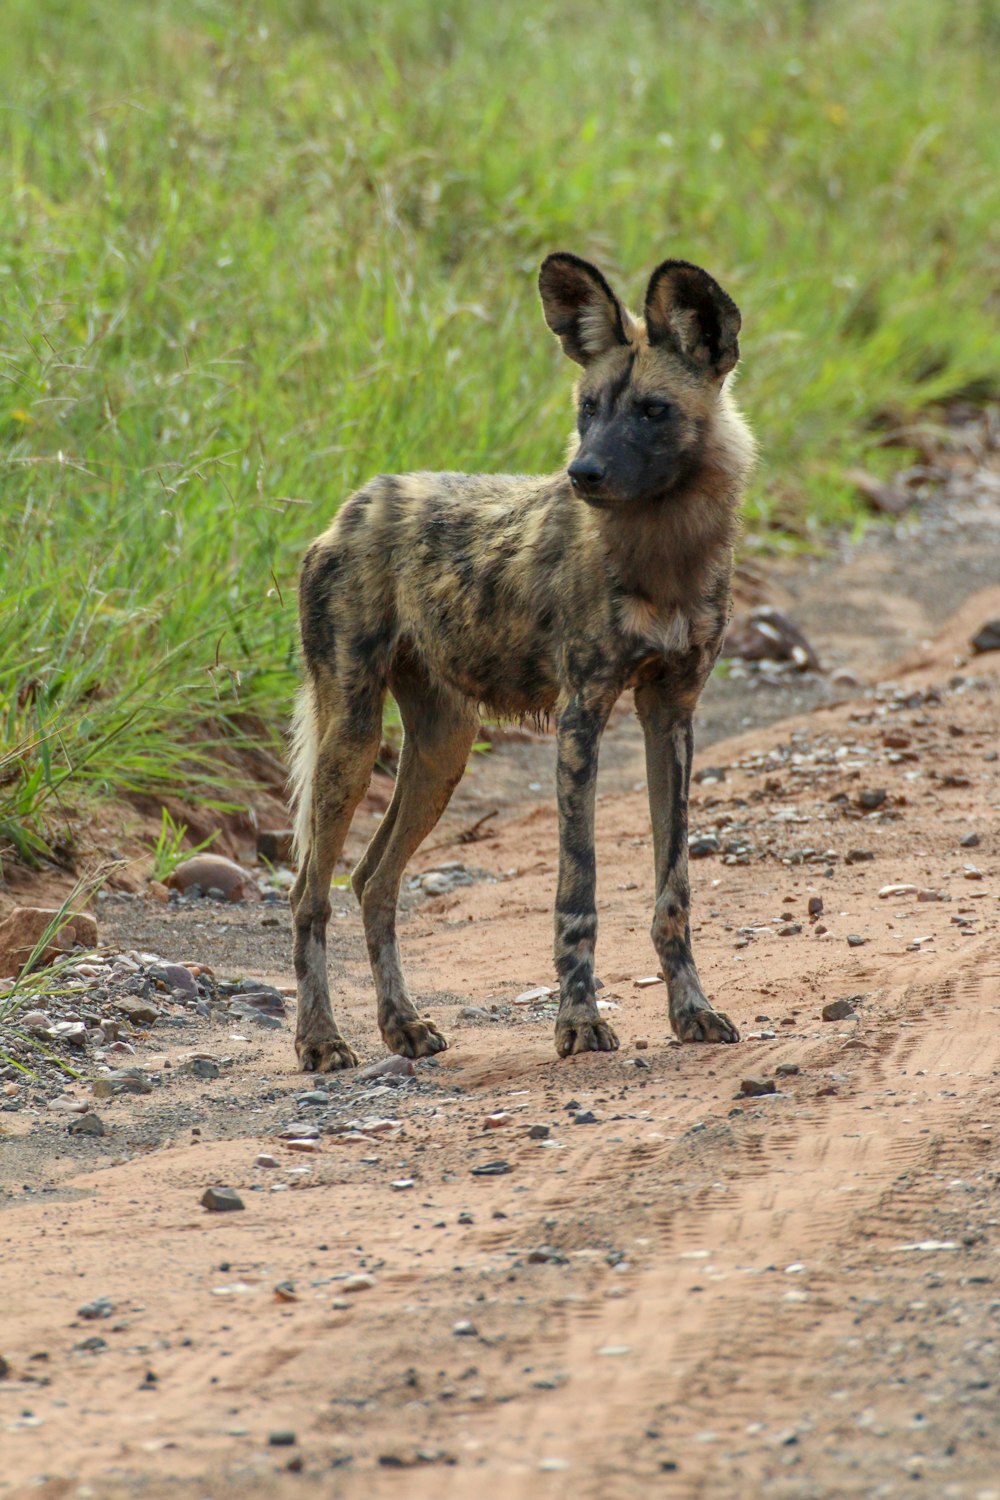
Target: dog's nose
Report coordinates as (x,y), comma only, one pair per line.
(586,475)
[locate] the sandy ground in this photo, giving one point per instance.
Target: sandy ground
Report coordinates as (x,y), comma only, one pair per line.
(677,1291)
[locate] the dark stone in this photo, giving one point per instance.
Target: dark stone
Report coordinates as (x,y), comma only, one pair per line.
(838,1010)
(752,1087)
(221,1200)
(703,846)
(988,638)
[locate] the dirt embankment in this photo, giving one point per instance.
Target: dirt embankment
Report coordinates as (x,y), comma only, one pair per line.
(662,1284)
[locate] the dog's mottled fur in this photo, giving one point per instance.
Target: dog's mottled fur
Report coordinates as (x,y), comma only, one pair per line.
(530,596)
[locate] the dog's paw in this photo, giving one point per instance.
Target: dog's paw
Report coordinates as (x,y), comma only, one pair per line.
(416,1038)
(325,1054)
(700,1023)
(584,1036)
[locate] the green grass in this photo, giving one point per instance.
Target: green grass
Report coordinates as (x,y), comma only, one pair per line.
(251,254)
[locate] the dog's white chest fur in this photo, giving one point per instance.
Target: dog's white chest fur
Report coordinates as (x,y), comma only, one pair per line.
(667,632)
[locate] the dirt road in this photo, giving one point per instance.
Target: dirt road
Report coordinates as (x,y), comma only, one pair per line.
(660,1285)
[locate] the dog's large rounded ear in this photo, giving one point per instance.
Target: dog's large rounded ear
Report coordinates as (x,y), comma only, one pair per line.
(580,308)
(688,310)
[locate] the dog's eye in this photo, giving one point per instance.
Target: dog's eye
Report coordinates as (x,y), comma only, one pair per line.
(655,411)
(588,408)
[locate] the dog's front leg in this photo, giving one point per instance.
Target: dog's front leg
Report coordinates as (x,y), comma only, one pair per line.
(579,1027)
(667,727)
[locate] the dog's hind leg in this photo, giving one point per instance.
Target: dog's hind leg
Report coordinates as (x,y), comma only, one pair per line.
(338,748)
(439,727)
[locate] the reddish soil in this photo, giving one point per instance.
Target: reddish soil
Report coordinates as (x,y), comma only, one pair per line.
(696,1294)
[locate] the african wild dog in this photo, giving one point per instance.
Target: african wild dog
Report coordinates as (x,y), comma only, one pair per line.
(530,596)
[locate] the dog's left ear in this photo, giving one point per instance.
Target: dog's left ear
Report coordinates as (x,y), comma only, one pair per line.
(688,310)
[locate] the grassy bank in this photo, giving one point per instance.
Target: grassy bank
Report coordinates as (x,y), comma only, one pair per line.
(251,254)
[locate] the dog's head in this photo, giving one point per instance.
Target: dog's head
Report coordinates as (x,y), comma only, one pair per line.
(650,386)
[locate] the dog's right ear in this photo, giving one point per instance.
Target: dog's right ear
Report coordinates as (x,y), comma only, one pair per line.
(580,308)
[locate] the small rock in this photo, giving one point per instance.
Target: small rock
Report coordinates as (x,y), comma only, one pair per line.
(871,798)
(642,984)
(586,1117)
(987,638)
(790,929)
(492,1169)
(497,1120)
(703,846)
(815,906)
(299,1130)
(139,1012)
(202,1067)
(859,856)
(528,997)
(35,1020)
(282,1439)
(24,928)
(101,1307)
(212,872)
(546,1255)
(463,1329)
(92,1345)
(768,635)
(285,1291)
(971,841)
(304,1144)
(539,1132)
(400,1067)
(265,1159)
(787,1070)
(180,978)
(402,1184)
(121,1081)
(67,1106)
(362,1282)
(641,1043)
(262,997)
(854,940)
(242,1009)
(88,1124)
(752,1087)
(473,1013)
(838,1010)
(896,890)
(930,895)
(221,1200)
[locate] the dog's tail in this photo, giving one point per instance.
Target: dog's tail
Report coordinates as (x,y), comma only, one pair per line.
(304,742)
